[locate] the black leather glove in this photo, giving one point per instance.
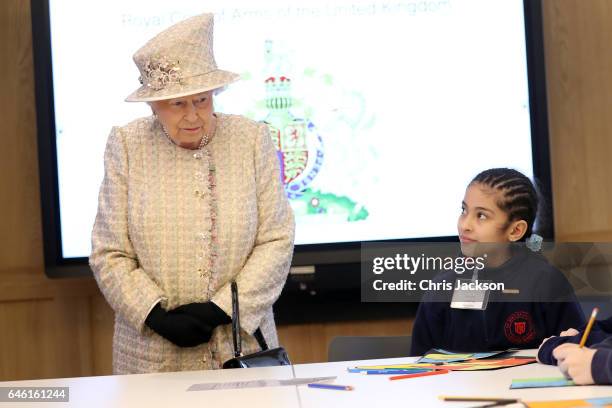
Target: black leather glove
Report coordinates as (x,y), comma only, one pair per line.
(181,329)
(207,313)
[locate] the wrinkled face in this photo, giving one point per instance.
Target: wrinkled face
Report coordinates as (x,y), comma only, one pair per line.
(482,225)
(186,119)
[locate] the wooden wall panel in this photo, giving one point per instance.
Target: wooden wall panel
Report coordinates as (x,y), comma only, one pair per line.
(64,328)
(102,335)
(577,37)
(21,237)
(45,338)
(46,327)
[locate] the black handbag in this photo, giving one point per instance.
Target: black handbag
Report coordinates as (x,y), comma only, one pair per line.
(264,358)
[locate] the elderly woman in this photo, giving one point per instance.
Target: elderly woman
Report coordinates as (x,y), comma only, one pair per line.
(191,200)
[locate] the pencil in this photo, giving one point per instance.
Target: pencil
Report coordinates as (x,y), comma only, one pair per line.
(331,386)
(478,399)
(589,326)
(401,377)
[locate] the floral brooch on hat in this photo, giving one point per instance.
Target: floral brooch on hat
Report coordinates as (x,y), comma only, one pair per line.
(160,72)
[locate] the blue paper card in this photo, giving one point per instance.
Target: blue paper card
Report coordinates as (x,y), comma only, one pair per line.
(541,382)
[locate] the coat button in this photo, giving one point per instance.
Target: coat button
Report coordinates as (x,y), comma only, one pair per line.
(197,156)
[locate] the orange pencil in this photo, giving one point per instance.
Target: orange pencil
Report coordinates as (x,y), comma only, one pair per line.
(401,377)
(589,326)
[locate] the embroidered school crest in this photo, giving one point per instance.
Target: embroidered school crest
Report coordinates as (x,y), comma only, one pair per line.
(519,328)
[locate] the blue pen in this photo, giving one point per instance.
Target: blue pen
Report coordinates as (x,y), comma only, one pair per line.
(331,386)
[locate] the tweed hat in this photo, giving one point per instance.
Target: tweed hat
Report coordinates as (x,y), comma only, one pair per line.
(179,61)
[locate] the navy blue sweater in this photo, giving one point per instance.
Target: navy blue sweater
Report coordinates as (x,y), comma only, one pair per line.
(546,306)
(600,339)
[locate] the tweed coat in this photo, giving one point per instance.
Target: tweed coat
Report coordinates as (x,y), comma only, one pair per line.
(178,225)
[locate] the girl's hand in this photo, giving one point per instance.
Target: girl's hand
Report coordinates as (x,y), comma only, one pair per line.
(569,332)
(575,362)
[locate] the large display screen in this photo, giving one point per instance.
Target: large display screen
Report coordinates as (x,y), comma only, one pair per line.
(391,106)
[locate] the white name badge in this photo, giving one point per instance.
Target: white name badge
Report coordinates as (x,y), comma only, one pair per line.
(465,297)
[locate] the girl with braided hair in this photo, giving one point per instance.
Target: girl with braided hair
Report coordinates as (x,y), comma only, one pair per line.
(500,207)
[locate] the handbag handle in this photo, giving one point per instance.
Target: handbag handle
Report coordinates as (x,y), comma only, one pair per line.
(236,321)
(236,325)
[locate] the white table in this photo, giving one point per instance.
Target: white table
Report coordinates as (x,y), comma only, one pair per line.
(169,389)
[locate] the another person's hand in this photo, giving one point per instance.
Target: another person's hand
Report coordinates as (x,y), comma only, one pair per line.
(181,329)
(575,362)
(565,333)
(208,313)
(569,332)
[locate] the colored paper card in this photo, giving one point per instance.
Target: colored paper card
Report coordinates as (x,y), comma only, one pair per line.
(445,356)
(489,364)
(470,365)
(591,402)
(397,366)
(544,382)
(600,402)
(487,354)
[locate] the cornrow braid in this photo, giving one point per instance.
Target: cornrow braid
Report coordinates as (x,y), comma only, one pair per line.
(518,198)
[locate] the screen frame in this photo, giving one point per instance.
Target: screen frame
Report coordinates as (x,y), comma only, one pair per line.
(313,254)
